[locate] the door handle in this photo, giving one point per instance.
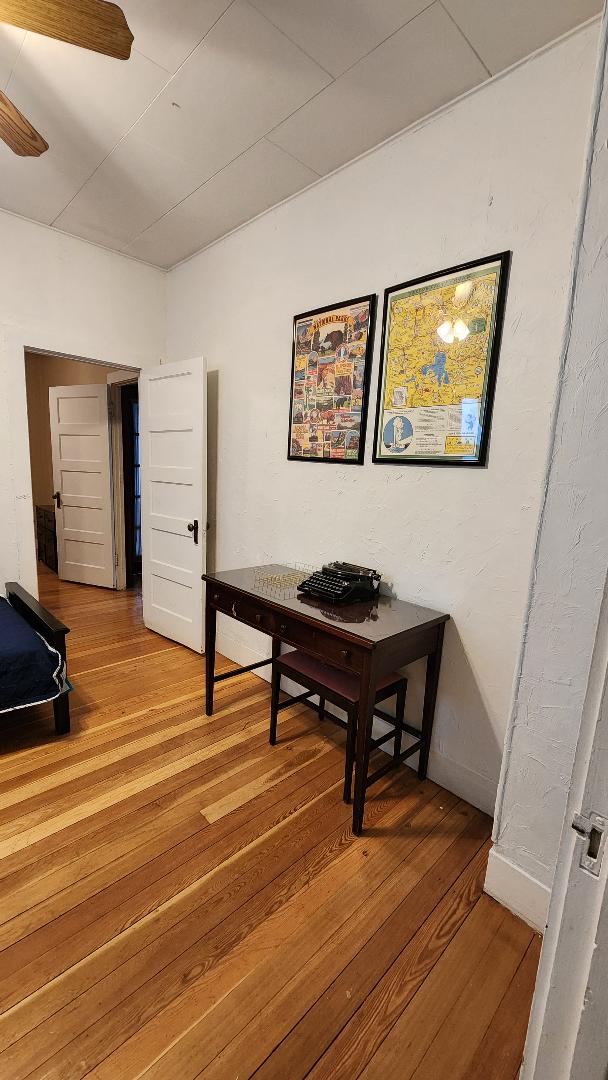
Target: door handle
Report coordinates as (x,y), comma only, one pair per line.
(193,528)
(57,498)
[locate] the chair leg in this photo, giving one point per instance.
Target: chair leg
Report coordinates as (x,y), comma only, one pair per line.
(351,741)
(275,690)
(400,720)
(321,708)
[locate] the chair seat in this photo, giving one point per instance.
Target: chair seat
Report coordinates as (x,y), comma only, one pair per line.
(344,684)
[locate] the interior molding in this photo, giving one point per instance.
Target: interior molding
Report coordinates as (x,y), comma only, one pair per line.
(118,487)
(517,890)
(125,374)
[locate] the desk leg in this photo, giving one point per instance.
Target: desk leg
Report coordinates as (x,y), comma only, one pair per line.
(365,719)
(210,621)
(433,664)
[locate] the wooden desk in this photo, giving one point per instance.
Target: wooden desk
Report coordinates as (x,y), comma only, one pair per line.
(368,639)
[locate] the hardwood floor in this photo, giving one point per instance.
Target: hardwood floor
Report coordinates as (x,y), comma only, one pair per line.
(178,900)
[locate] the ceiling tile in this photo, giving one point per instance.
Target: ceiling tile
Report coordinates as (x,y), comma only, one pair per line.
(422,66)
(171,239)
(86,100)
(505,32)
(168,32)
(255,181)
(337,33)
(38,188)
(241,81)
(11,40)
(82,103)
(132,188)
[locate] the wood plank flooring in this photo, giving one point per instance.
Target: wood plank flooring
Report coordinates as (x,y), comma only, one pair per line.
(178,900)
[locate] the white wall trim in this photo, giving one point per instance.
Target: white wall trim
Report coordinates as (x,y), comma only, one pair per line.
(517,890)
(475,788)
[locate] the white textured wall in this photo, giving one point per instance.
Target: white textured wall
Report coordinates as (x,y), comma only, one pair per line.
(567,1034)
(570,563)
(62,295)
(501,169)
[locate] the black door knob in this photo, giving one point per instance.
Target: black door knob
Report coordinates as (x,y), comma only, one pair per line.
(193,528)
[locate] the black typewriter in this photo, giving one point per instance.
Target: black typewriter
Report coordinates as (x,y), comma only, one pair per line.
(342,582)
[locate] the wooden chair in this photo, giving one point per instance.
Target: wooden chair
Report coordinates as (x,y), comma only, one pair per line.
(342,689)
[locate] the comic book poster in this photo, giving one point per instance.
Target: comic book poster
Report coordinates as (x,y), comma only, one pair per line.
(332,353)
(440,343)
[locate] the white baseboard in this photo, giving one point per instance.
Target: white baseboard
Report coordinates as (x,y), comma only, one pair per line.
(517,890)
(476,789)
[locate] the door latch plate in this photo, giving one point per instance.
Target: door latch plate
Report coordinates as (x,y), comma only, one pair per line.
(593,828)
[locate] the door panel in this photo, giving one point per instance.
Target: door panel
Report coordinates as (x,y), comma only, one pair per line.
(173,428)
(80,442)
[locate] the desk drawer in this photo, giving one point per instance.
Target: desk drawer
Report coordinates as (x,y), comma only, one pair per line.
(293,632)
(246,611)
(320,642)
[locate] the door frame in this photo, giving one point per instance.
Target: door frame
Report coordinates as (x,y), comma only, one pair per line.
(579,900)
(129,394)
(124,373)
(115,385)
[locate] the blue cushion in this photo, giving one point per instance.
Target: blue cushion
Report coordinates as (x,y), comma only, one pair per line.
(30,670)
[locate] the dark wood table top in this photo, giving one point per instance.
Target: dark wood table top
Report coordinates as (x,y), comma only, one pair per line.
(373,621)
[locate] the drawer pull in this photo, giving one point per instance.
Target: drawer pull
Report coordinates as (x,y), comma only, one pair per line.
(345,654)
(258,620)
(216,596)
(233,612)
(283,628)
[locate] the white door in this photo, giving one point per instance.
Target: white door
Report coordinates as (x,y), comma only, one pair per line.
(80,441)
(568,1034)
(173,430)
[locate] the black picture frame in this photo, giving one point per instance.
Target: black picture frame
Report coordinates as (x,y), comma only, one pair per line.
(325,311)
(503,259)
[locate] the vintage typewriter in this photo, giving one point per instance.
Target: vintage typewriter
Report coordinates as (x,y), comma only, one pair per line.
(342,582)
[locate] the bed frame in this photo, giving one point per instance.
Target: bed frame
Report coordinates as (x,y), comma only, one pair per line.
(53,631)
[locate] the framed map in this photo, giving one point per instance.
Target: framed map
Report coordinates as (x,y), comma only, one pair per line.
(438,361)
(330,367)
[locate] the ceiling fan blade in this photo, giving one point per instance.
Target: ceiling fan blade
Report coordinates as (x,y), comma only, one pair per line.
(92,24)
(17,132)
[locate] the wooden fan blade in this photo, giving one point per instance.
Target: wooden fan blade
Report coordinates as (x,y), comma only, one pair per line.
(17,132)
(92,24)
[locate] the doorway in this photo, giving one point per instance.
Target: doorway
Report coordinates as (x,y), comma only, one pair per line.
(76,530)
(112,504)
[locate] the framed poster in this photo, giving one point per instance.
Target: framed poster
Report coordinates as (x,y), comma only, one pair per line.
(330,368)
(438,360)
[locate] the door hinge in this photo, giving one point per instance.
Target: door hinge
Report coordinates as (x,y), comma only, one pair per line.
(116,560)
(592,827)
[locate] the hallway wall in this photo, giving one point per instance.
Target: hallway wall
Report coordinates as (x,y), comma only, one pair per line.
(62,295)
(460,540)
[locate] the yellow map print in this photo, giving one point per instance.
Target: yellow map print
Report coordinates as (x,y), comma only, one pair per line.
(421,368)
